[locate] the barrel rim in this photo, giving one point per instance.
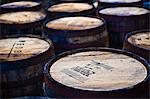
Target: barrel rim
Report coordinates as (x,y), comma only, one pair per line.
(30,36)
(7,1)
(80,1)
(92,9)
(23,8)
(30,59)
(133,33)
(1,6)
(82,30)
(59,56)
(140,1)
(123,16)
(24,24)
(57,14)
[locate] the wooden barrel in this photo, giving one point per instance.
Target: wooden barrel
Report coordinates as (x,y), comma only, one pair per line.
(22,22)
(20,6)
(76,32)
(139,43)
(97,73)
(116,3)
(22,59)
(43,3)
(95,4)
(122,20)
(70,9)
(146,4)
(9,1)
(72,1)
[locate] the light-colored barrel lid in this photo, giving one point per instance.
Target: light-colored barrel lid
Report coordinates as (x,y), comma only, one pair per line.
(21,17)
(25,4)
(140,40)
(95,4)
(74,23)
(119,1)
(98,71)
(124,11)
(70,7)
(12,49)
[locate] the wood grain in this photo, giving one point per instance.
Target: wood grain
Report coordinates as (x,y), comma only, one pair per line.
(98,71)
(13,49)
(140,39)
(70,7)
(21,17)
(74,23)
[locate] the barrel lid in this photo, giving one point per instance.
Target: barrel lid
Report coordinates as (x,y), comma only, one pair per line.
(95,4)
(21,17)
(124,11)
(19,48)
(75,23)
(141,39)
(20,4)
(70,7)
(98,70)
(119,1)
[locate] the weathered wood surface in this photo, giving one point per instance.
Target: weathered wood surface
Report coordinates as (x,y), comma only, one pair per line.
(13,49)
(98,71)
(124,11)
(119,1)
(74,23)
(22,4)
(70,7)
(140,40)
(21,17)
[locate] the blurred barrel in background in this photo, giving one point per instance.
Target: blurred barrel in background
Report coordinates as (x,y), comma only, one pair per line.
(96,73)
(146,4)
(139,43)
(43,3)
(72,1)
(76,32)
(20,6)
(55,2)
(9,1)
(22,59)
(122,20)
(23,22)
(70,9)
(116,3)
